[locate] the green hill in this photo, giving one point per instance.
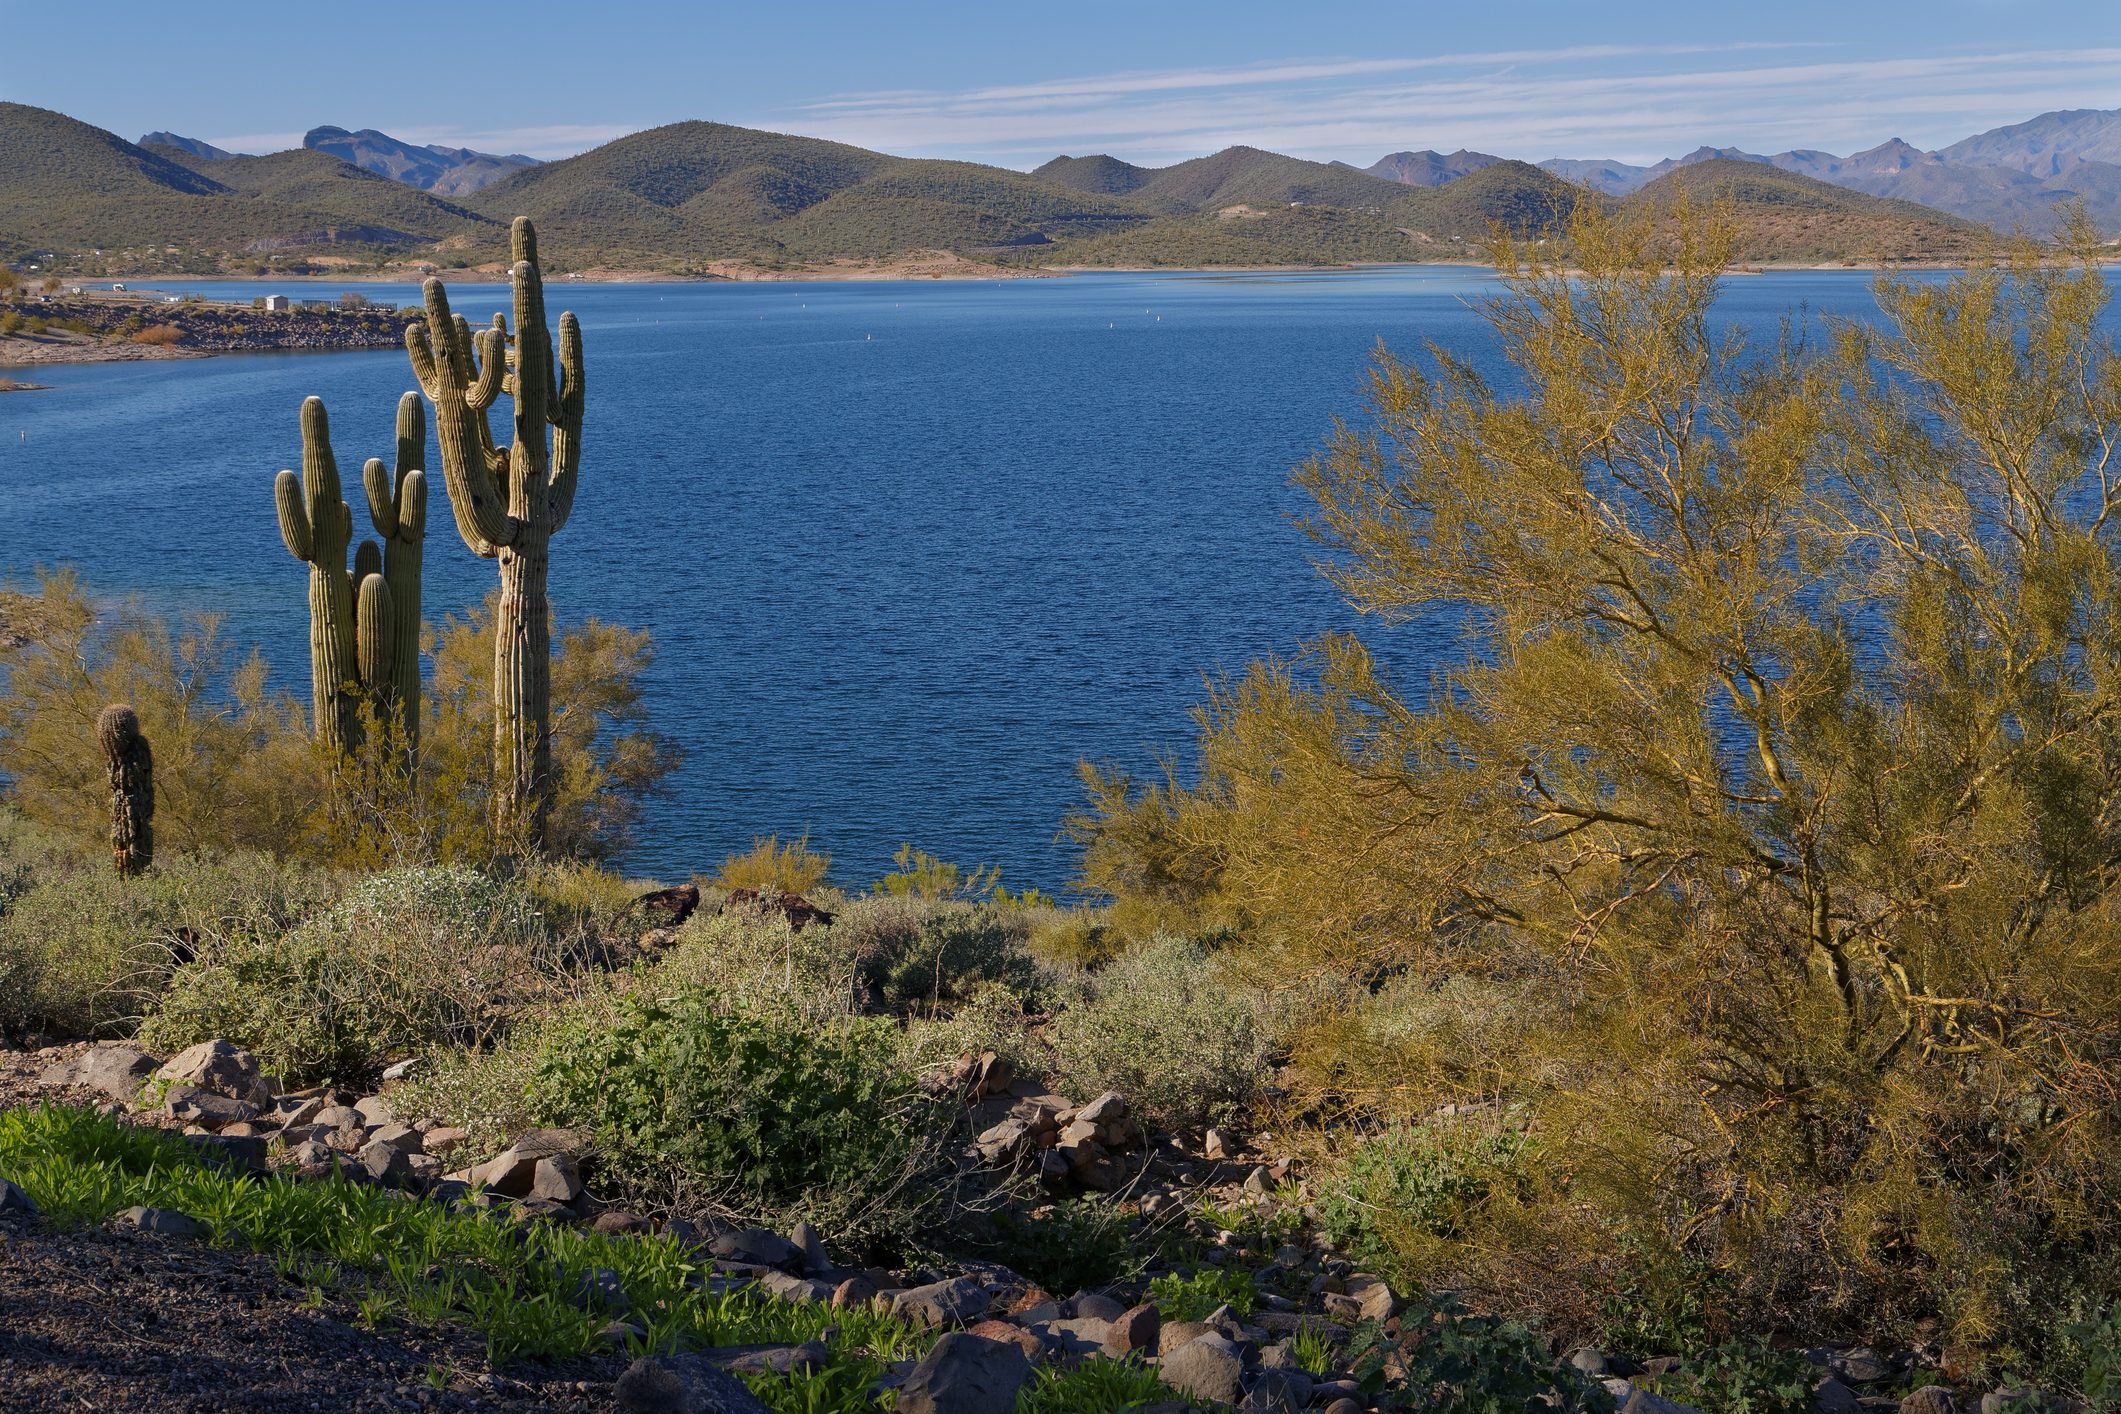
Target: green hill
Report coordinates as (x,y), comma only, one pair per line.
(68,186)
(1515,196)
(692,194)
(1784,216)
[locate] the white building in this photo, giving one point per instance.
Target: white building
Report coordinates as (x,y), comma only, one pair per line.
(276,304)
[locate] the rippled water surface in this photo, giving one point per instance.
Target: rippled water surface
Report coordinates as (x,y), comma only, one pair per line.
(909,551)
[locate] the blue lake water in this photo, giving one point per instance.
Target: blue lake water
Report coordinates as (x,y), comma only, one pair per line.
(909,551)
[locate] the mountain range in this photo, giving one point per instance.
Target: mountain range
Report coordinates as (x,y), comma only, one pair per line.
(701,197)
(2011,178)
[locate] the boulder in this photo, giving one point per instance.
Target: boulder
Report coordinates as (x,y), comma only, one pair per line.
(811,1247)
(375,1110)
(1830,1396)
(773,1359)
(162,1221)
(209,1109)
(384,1164)
(1006,1141)
(513,1171)
(242,1152)
(1860,1365)
(673,905)
(617,1222)
(1096,1304)
(440,1140)
(793,1288)
(1211,1367)
(221,1067)
(1641,1401)
(1276,1392)
(756,1247)
(14,1203)
(402,1137)
(1930,1399)
(956,1302)
(965,1374)
(557,1178)
(1023,1339)
(683,1384)
(116,1071)
(1135,1329)
(855,1291)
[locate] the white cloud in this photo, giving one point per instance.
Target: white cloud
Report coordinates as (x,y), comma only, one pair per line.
(1631,102)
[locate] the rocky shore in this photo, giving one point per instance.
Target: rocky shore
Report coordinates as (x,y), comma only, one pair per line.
(100,330)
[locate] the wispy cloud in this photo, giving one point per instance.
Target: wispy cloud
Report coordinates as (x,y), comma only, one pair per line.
(1635,102)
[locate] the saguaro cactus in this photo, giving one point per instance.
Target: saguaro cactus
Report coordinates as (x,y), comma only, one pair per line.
(509,505)
(131,765)
(397,503)
(353,618)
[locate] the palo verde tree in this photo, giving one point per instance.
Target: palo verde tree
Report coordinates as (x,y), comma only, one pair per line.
(1775,804)
(509,504)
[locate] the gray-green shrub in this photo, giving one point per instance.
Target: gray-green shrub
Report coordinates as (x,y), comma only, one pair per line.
(407,959)
(1166,1026)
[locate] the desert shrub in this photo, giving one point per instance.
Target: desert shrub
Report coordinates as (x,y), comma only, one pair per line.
(234,767)
(406,960)
(84,952)
(1775,774)
(990,1016)
(1167,1028)
(915,950)
(1076,938)
(159,334)
(1472,1364)
(1740,1377)
(1401,1193)
(773,867)
(753,955)
(754,1109)
(1074,1245)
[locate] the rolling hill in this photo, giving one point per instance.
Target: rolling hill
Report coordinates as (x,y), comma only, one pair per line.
(68,186)
(1786,216)
(1515,196)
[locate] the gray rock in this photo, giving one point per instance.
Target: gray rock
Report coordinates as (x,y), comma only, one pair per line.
(965,1374)
(757,1247)
(1177,1333)
(1277,1392)
(856,1290)
(162,1221)
(1830,1396)
(375,1110)
(1259,1181)
(1097,1304)
(245,1152)
(222,1068)
(1075,1336)
(683,1384)
(513,1171)
(798,1289)
(804,1238)
(1216,1144)
(116,1071)
(384,1164)
(773,1359)
(1588,1359)
(956,1302)
(1005,1141)
(14,1202)
(402,1137)
(1860,1365)
(398,1070)
(1105,1108)
(557,1179)
(2016,1399)
(1211,1367)
(337,1117)
(599,1289)
(1644,1402)
(1930,1399)
(209,1109)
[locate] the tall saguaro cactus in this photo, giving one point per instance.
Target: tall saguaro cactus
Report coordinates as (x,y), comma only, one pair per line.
(354,623)
(397,503)
(510,504)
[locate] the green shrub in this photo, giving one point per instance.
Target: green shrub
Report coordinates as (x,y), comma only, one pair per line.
(915,950)
(1194,1296)
(1066,1247)
(756,1109)
(408,959)
(1740,1377)
(1411,1186)
(1164,1026)
(992,1017)
(921,875)
(753,955)
(1077,938)
(84,952)
(1469,1364)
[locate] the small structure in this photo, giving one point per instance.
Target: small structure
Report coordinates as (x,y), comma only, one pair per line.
(117,289)
(276,304)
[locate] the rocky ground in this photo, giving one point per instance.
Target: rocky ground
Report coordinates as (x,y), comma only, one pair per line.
(108,327)
(143,1316)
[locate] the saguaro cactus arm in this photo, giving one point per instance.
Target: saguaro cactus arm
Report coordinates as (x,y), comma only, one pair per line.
(317,525)
(461,389)
(566,419)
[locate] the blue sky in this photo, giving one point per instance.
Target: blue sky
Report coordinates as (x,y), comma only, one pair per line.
(1016,84)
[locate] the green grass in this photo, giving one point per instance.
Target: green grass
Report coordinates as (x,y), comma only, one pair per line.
(426,1265)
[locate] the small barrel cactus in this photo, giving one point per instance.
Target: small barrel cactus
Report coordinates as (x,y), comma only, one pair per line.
(131,766)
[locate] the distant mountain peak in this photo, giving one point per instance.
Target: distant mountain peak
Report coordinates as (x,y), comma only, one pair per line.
(446,171)
(190,145)
(1429,168)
